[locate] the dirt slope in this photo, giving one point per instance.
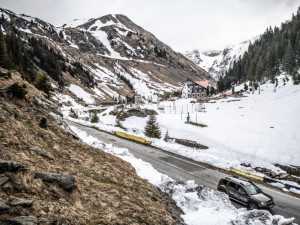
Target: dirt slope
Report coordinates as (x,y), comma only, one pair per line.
(106,189)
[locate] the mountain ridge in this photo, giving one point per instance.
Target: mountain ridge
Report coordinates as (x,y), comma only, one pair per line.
(217,62)
(115,51)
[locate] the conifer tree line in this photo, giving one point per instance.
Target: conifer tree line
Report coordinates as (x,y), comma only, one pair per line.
(82,74)
(24,56)
(126,81)
(14,56)
(18,55)
(274,52)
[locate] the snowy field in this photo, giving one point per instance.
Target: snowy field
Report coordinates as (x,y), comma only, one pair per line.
(258,129)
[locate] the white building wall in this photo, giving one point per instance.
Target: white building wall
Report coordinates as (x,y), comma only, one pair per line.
(185,91)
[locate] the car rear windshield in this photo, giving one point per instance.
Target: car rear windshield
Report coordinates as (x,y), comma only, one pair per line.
(252,189)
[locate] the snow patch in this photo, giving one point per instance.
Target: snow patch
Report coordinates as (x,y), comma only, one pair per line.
(75,23)
(25,30)
(103,37)
(80,93)
(5,15)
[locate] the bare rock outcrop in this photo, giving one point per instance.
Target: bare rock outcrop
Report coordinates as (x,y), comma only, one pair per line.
(9,166)
(65,181)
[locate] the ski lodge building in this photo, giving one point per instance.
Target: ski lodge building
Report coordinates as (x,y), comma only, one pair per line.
(195,89)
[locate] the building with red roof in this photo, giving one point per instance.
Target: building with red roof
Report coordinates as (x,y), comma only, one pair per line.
(195,89)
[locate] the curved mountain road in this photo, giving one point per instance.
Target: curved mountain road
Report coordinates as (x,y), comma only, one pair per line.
(182,168)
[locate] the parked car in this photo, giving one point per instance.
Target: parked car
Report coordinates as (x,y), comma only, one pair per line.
(245,192)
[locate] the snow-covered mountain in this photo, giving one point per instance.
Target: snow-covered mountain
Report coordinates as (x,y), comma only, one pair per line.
(121,57)
(217,62)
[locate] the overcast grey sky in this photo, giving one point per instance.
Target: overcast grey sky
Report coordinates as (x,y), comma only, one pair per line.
(182,24)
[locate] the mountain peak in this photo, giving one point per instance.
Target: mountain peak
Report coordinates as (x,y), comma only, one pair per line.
(217,62)
(107,20)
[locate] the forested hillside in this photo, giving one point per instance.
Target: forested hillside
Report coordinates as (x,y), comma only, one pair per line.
(276,51)
(33,57)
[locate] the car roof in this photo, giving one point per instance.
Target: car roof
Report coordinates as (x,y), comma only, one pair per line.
(238,180)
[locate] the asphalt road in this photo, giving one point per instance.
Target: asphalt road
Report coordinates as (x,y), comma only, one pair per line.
(182,168)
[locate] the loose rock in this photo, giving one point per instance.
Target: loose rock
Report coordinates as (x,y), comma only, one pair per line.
(283,176)
(8,110)
(65,181)
(43,154)
(44,221)
(273,174)
(20,202)
(21,220)
(3,207)
(9,166)
(3,179)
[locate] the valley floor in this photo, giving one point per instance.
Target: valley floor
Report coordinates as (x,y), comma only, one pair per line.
(260,129)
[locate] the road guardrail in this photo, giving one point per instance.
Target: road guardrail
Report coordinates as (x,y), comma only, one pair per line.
(262,178)
(132,137)
(247,174)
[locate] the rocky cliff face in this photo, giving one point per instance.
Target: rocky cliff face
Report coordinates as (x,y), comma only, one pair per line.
(217,62)
(122,57)
(47,176)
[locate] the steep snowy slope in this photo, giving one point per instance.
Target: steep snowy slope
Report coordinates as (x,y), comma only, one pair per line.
(217,62)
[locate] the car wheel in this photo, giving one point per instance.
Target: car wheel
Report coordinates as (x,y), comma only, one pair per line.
(222,190)
(252,205)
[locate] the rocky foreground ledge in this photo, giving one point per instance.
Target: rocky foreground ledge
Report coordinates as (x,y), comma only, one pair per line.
(47,176)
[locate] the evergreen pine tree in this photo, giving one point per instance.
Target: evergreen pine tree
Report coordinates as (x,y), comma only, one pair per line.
(42,83)
(220,84)
(270,63)
(95,118)
(289,59)
(259,71)
(43,123)
(252,69)
(152,128)
(212,91)
(16,90)
(166,138)
(296,78)
(4,59)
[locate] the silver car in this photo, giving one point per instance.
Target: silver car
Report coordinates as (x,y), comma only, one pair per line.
(245,192)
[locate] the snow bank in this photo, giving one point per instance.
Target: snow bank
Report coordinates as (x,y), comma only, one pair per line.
(203,205)
(200,205)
